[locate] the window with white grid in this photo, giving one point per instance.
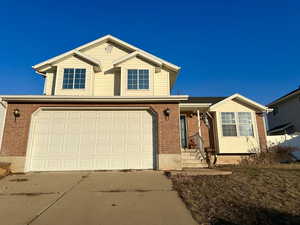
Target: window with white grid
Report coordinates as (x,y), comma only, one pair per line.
(228,124)
(237,124)
(245,124)
(138,79)
(74,78)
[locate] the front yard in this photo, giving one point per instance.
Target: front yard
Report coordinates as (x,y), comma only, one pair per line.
(251,195)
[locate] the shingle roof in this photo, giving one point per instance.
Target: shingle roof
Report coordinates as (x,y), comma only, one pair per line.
(212,100)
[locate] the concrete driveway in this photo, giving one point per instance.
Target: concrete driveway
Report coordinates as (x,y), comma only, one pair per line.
(91,198)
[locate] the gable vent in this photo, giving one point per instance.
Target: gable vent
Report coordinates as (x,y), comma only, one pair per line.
(108,49)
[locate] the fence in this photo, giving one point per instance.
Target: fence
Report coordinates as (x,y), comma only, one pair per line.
(284,140)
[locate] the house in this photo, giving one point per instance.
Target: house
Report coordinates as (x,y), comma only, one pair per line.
(285,116)
(108,105)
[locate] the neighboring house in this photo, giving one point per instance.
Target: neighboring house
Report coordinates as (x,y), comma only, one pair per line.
(285,117)
(108,105)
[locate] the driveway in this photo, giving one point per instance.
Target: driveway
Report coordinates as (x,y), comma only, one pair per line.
(91,198)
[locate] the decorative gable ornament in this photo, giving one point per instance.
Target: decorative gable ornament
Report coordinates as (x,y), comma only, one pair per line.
(108,48)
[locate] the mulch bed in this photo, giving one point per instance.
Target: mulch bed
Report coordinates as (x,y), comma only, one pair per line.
(251,195)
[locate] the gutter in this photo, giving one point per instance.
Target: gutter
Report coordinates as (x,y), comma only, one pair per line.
(119,99)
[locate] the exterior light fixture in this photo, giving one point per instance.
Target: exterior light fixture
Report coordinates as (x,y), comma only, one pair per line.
(167,112)
(16,113)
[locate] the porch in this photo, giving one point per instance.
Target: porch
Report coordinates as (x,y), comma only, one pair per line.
(196,134)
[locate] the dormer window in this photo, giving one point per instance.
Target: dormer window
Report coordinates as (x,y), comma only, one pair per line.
(74,78)
(138,79)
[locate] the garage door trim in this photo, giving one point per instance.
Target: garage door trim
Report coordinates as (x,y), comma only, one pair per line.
(30,138)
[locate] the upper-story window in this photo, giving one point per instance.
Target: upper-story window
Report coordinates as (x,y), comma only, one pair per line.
(237,124)
(138,79)
(74,78)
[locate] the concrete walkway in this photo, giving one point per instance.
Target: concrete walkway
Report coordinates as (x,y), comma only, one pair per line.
(96,198)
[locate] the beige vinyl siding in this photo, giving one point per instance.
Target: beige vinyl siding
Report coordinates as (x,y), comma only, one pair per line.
(136,63)
(161,83)
(73,62)
(158,81)
(48,83)
(109,81)
(104,83)
(238,144)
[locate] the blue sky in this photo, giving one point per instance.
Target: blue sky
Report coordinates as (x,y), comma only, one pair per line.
(224,47)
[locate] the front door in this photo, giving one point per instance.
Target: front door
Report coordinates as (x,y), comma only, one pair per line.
(183,132)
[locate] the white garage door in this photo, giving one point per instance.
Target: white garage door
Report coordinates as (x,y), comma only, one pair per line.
(90,140)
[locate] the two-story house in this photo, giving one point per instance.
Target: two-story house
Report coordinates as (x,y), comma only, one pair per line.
(285,117)
(108,105)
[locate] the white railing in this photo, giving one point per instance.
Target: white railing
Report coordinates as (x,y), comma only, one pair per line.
(199,146)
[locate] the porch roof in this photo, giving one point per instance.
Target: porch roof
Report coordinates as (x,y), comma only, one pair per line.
(199,103)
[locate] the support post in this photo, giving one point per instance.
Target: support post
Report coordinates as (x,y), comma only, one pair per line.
(199,123)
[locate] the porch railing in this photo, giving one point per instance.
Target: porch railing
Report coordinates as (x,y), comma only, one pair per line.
(199,145)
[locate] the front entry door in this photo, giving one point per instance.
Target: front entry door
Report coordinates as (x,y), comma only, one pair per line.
(183,132)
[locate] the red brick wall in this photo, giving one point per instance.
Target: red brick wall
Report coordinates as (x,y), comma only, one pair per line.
(16,132)
(192,129)
(261,131)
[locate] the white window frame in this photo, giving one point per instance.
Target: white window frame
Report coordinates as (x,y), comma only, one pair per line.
(237,124)
(138,78)
(73,83)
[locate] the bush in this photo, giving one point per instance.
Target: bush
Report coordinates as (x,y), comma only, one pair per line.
(269,156)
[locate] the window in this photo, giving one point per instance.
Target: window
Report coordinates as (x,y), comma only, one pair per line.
(138,79)
(237,124)
(74,78)
(245,124)
(228,124)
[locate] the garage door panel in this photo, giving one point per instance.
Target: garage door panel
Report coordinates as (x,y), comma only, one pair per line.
(91,140)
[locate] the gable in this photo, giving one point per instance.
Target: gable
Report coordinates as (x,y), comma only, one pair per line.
(234,106)
(242,101)
(90,47)
(107,53)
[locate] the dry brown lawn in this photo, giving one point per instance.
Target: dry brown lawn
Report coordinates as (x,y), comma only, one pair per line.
(251,195)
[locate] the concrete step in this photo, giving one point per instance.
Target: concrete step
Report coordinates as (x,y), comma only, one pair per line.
(194,165)
(195,161)
(191,156)
(189,150)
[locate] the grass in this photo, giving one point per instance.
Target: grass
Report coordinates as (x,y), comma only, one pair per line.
(251,195)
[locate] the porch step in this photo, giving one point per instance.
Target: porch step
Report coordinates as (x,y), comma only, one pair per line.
(194,165)
(188,150)
(192,157)
(193,161)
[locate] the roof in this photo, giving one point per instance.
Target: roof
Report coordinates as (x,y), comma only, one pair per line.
(285,97)
(211,100)
(104,39)
(241,99)
(134,54)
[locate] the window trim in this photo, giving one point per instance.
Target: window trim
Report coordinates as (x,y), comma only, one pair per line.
(138,89)
(230,124)
(237,124)
(73,83)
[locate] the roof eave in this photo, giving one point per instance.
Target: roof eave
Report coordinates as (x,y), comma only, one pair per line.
(92,99)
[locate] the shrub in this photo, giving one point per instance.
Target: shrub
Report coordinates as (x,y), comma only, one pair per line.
(269,156)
